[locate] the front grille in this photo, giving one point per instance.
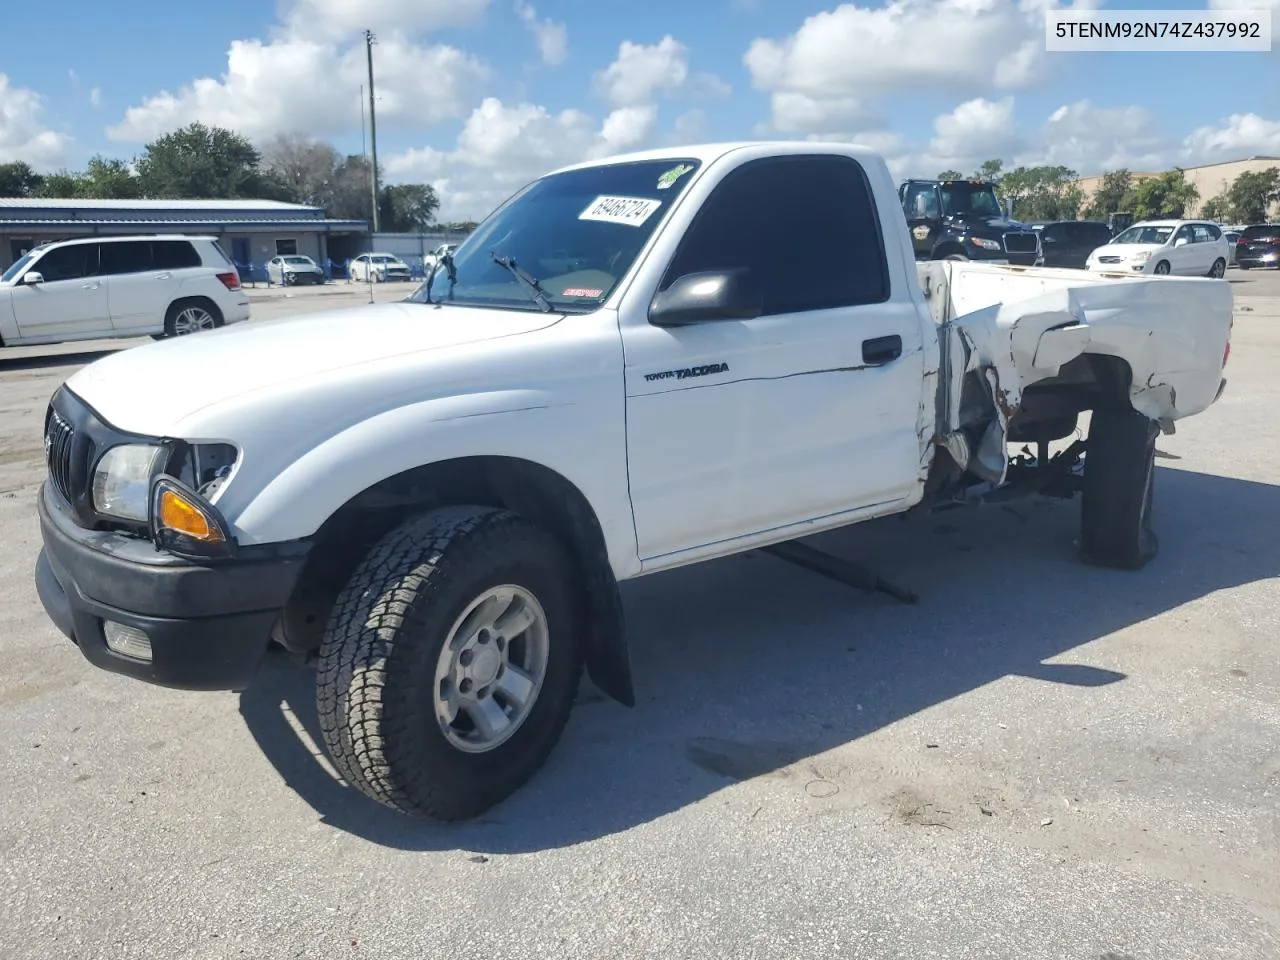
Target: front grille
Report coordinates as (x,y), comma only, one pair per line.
(1020,243)
(58,442)
(1108,259)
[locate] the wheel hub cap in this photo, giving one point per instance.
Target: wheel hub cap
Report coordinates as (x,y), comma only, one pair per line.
(491,668)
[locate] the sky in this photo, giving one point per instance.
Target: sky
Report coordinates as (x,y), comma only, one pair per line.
(477,97)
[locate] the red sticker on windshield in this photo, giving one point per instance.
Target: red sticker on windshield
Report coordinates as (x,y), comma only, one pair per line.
(581,292)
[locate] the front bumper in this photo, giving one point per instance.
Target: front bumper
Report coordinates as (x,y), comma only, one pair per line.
(208,626)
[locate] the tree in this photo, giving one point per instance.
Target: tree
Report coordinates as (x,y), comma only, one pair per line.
(407,207)
(1042,193)
(17,179)
(106,179)
(950,175)
(990,170)
(350,193)
(1110,195)
(1168,195)
(62,185)
(1216,208)
(1251,195)
(199,162)
(303,168)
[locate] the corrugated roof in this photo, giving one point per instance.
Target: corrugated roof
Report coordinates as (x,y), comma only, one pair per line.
(54,203)
(35,223)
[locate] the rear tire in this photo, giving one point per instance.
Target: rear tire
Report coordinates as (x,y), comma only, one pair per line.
(189,316)
(397,661)
(1119,488)
(1219,269)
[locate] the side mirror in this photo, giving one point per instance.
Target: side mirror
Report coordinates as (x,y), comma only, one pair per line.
(32,277)
(1181,242)
(707,297)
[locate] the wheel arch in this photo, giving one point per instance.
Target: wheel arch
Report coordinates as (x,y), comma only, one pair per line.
(535,491)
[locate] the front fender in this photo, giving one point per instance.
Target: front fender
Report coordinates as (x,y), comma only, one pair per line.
(584,443)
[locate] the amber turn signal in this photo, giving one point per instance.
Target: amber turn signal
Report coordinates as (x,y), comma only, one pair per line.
(177,514)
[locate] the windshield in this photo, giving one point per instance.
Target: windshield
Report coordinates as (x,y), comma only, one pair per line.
(1140,234)
(18,266)
(576,233)
(970,198)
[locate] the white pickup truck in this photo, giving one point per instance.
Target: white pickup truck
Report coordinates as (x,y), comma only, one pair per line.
(632,365)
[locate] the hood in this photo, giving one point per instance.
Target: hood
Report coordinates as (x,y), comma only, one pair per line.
(1124,251)
(147,389)
(994,224)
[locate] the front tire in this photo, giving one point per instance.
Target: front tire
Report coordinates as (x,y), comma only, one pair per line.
(1119,490)
(1162,268)
(450,662)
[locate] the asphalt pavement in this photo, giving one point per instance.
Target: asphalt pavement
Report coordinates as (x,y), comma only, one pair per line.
(1038,760)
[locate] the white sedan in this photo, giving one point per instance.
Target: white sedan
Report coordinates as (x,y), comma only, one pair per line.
(378,267)
(1191,248)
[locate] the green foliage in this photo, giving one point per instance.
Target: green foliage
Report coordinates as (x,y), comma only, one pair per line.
(1251,195)
(17,179)
(407,207)
(1168,195)
(1042,193)
(1216,208)
(107,179)
(1110,195)
(951,175)
(200,162)
(990,171)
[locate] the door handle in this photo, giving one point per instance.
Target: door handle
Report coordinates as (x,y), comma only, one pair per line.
(91,286)
(161,276)
(881,350)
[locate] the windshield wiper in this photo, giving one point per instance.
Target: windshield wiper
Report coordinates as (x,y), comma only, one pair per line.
(445,260)
(529,283)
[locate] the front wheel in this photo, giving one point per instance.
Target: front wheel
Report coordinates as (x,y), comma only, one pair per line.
(450,663)
(1119,490)
(1162,268)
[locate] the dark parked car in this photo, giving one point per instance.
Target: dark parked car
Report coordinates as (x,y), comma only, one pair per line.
(1259,246)
(1068,243)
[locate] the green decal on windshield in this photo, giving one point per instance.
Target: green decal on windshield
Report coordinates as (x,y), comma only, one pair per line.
(672,175)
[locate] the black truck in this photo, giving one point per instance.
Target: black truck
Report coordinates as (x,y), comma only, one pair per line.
(962,220)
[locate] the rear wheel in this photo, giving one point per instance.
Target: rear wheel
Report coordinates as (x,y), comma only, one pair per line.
(450,662)
(1119,489)
(189,316)
(1219,269)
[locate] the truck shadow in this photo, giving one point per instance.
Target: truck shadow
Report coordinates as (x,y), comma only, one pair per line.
(749,665)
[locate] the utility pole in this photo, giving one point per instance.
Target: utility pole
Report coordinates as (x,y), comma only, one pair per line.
(369,41)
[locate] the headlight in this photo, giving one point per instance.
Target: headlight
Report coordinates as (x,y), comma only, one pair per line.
(122,481)
(985,244)
(1142,256)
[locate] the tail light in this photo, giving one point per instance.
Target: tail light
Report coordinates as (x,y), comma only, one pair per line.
(230,280)
(1226,353)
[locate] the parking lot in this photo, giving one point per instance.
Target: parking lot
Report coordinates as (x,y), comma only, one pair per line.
(1038,760)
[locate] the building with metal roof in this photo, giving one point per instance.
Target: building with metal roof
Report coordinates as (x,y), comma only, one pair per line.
(251,231)
(1210,179)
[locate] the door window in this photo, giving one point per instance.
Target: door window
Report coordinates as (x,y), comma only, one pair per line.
(1055,233)
(1184,233)
(921,202)
(805,227)
(130,256)
(174,255)
(67,263)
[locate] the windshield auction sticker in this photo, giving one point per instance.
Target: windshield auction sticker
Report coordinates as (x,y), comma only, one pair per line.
(632,211)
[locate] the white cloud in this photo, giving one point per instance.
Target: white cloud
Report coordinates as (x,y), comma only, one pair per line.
(23,135)
(1234,138)
(552,38)
(1090,139)
(340,20)
(794,112)
(95,97)
(502,147)
(975,131)
(856,51)
(296,84)
(639,72)
(689,127)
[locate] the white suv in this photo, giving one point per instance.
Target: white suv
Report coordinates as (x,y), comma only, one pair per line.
(1189,248)
(105,287)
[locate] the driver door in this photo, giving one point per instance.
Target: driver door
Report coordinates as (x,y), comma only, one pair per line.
(1182,251)
(809,411)
(71,301)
